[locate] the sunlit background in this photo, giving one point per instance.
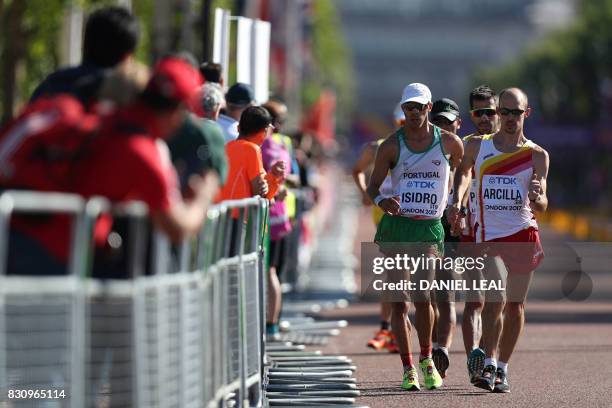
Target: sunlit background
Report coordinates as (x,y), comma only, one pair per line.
(341,65)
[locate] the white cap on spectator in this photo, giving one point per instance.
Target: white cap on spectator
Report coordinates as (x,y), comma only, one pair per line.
(416,92)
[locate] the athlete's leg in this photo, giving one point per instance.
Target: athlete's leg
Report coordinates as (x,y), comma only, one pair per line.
(385,311)
(424,321)
(447,319)
(492,312)
(443,332)
(492,326)
(434,331)
(423,310)
(471,325)
(444,308)
(274,297)
(402,329)
(492,321)
(514,313)
(514,321)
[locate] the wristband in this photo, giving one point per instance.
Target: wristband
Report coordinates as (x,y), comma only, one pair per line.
(463,211)
(378,199)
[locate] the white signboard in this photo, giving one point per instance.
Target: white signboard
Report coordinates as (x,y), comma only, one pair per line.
(221,40)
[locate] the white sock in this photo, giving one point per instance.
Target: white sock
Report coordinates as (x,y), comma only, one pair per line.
(434,345)
(503,366)
(445,350)
(490,361)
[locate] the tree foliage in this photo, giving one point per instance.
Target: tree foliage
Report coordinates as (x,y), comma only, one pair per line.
(332,62)
(564,73)
(30,43)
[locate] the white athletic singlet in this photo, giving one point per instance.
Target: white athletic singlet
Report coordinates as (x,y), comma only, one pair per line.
(502,184)
(421,179)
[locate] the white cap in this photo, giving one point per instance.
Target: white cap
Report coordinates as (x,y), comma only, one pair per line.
(416,92)
(398,113)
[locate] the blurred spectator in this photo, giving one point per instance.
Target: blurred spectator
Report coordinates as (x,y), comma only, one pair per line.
(239,97)
(278,148)
(246,176)
(128,160)
(211,100)
(198,146)
(111,37)
(278,111)
(123,85)
(212,72)
(308,153)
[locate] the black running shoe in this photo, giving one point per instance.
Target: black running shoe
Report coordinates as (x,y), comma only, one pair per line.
(475,364)
(441,362)
(486,381)
(501,382)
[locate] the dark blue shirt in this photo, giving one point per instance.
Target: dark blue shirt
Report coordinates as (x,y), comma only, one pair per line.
(82,81)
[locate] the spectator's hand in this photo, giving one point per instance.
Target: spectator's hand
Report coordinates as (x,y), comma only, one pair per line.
(282,194)
(390,205)
(260,186)
(278,169)
(205,187)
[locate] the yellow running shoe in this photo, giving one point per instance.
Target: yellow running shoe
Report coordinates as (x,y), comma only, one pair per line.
(411,380)
(430,374)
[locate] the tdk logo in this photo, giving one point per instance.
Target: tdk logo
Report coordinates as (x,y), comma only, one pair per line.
(422,184)
(504,181)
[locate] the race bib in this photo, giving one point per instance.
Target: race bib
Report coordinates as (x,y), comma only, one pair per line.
(420,197)
(503,193)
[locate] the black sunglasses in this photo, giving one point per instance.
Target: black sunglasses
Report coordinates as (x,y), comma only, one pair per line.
(481,112)
(410,106)
(514,112)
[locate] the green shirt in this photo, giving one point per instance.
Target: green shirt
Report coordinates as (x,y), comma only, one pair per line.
(198,146)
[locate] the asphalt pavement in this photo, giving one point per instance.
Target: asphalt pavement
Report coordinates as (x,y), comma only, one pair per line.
(563,358)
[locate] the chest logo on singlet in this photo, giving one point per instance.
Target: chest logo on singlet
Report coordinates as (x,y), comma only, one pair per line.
(436,162)
(421,184)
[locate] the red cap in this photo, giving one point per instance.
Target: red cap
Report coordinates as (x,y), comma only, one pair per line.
(175,79)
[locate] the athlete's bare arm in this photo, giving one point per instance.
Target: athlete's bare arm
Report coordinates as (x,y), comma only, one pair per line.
(537,186)
(365,160)
(463,177)
(385,160)
(452,145)
(466,198)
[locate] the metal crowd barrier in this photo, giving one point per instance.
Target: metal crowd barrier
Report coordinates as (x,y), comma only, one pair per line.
(185,329)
